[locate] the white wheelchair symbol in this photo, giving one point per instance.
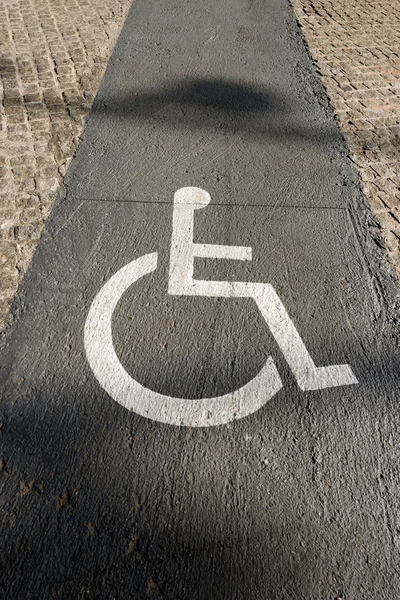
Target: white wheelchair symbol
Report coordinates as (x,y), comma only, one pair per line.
(203,412)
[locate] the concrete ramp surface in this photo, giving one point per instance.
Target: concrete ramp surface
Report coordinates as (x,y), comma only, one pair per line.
(200,381)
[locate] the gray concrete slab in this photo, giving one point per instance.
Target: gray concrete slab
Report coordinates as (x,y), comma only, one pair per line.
(328,305)
(231,89)
(298,499)
(295,499)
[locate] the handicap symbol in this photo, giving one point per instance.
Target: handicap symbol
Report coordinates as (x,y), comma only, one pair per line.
(203,412)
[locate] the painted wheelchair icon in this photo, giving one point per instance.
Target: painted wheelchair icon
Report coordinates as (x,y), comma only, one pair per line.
(203,412)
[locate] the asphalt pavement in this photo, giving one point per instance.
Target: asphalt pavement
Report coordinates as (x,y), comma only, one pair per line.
(182,417)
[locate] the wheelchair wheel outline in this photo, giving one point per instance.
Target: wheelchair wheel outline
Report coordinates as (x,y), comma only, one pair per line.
(128,392)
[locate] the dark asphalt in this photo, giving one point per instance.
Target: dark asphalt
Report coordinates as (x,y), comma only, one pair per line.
(299,500)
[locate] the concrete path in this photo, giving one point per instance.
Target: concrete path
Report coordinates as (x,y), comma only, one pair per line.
(298,499)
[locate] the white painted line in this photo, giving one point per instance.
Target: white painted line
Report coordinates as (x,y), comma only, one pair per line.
(182,283)
(204,412)
(128,392)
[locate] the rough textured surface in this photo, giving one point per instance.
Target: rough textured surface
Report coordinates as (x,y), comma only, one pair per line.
(52,58)
(299,500)
(356,45)
(53,55)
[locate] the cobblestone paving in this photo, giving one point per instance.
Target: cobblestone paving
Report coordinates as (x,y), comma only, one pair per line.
(356,46)
(53,54)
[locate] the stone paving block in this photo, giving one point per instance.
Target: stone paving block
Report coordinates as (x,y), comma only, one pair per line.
(53,54)
(356,47)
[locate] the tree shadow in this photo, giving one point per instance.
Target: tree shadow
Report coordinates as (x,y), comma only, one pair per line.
(75,525)
(218,104)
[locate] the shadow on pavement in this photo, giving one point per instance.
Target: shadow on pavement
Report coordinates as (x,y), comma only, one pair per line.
(128,526)
(212,104)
